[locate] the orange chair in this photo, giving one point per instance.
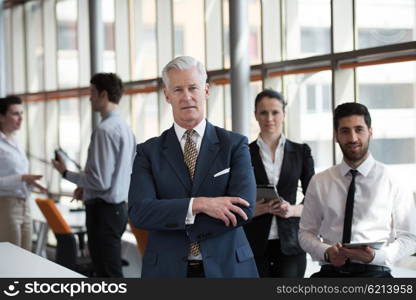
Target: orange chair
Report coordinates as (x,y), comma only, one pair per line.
(66,248)
(141,237)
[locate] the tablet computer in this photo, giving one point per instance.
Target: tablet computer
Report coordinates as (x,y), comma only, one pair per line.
(374,245)
(267,192)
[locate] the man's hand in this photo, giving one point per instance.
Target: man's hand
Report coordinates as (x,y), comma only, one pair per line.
(222,208)
(336,257)
(262,207)
(282,208)
(78,192)
(32,180)
(59,164)
(365,254)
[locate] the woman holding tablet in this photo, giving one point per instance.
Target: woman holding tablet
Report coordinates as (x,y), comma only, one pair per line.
(273,232)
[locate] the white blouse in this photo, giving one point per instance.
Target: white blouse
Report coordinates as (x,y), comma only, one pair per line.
(13,164)
(272,169)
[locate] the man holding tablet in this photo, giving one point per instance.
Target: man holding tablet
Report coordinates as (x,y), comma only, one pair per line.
(357,221)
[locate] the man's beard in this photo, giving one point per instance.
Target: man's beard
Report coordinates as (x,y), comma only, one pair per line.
(357,155)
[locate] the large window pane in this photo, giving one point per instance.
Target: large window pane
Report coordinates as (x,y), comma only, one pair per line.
(109,59)
(34,42)
(254,37)
(188,17)
(66,14)
(146,120)
(213,32)
(226,35)
(271,22)
(389,91)
(307,27)
(309,115)
(382,22)
(145,52)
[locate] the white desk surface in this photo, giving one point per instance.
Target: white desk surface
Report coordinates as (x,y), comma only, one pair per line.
(16,262)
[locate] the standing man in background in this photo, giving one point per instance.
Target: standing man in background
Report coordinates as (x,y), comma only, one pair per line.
(193,187)
(104,183)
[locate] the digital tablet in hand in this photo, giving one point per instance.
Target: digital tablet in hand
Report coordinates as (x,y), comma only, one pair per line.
(267,192)
(374,245)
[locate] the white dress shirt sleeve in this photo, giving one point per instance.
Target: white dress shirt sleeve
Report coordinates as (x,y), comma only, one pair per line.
(190,217)
(100,165)
(310,223)
(11,182)
(404,227)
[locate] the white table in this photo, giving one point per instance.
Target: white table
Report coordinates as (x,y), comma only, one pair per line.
(16,262)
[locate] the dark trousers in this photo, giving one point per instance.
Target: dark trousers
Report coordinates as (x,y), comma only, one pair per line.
(105,225)
(353,270)
(276,264)
(195,269)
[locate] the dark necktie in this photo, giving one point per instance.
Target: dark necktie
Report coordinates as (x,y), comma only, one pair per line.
(190,154)
(349,207)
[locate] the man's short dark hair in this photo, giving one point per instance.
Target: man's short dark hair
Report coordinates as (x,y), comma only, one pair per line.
(110,83)
(269,93)
(350,109)
(8,101)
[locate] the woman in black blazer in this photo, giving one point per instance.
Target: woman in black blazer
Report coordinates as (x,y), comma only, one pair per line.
(273,232)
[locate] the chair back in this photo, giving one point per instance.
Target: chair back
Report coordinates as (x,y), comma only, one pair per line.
(141,237)
(66,248)
(53,216)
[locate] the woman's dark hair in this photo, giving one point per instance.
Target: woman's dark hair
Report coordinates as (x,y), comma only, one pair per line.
(8,101)
(269,93)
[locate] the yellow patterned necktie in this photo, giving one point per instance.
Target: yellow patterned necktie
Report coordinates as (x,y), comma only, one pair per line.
(190,155)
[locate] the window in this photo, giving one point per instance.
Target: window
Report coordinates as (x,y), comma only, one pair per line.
(68,66)
(383,22)
(307,27)
(308,114)
(389,92)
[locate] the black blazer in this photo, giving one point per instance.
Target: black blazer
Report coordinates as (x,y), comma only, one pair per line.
(297,165)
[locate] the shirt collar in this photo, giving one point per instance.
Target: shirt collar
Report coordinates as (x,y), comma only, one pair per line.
(200,129)
(11,140)
(112,113)
(263,145)
(363,169)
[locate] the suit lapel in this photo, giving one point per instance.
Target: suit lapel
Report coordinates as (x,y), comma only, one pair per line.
(208,152)
(174,155)
(261,176)
(286,164)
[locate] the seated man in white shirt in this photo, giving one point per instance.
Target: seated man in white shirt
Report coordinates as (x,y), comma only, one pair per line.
(356,201)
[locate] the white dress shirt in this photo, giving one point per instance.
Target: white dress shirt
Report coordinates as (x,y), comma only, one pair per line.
(272,169)
(383,211)
(14,164)
(197,138)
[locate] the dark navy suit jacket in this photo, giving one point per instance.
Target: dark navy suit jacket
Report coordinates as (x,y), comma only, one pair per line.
(160,191)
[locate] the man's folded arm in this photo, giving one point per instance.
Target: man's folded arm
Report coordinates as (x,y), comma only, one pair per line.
(241,184)
(146,211)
